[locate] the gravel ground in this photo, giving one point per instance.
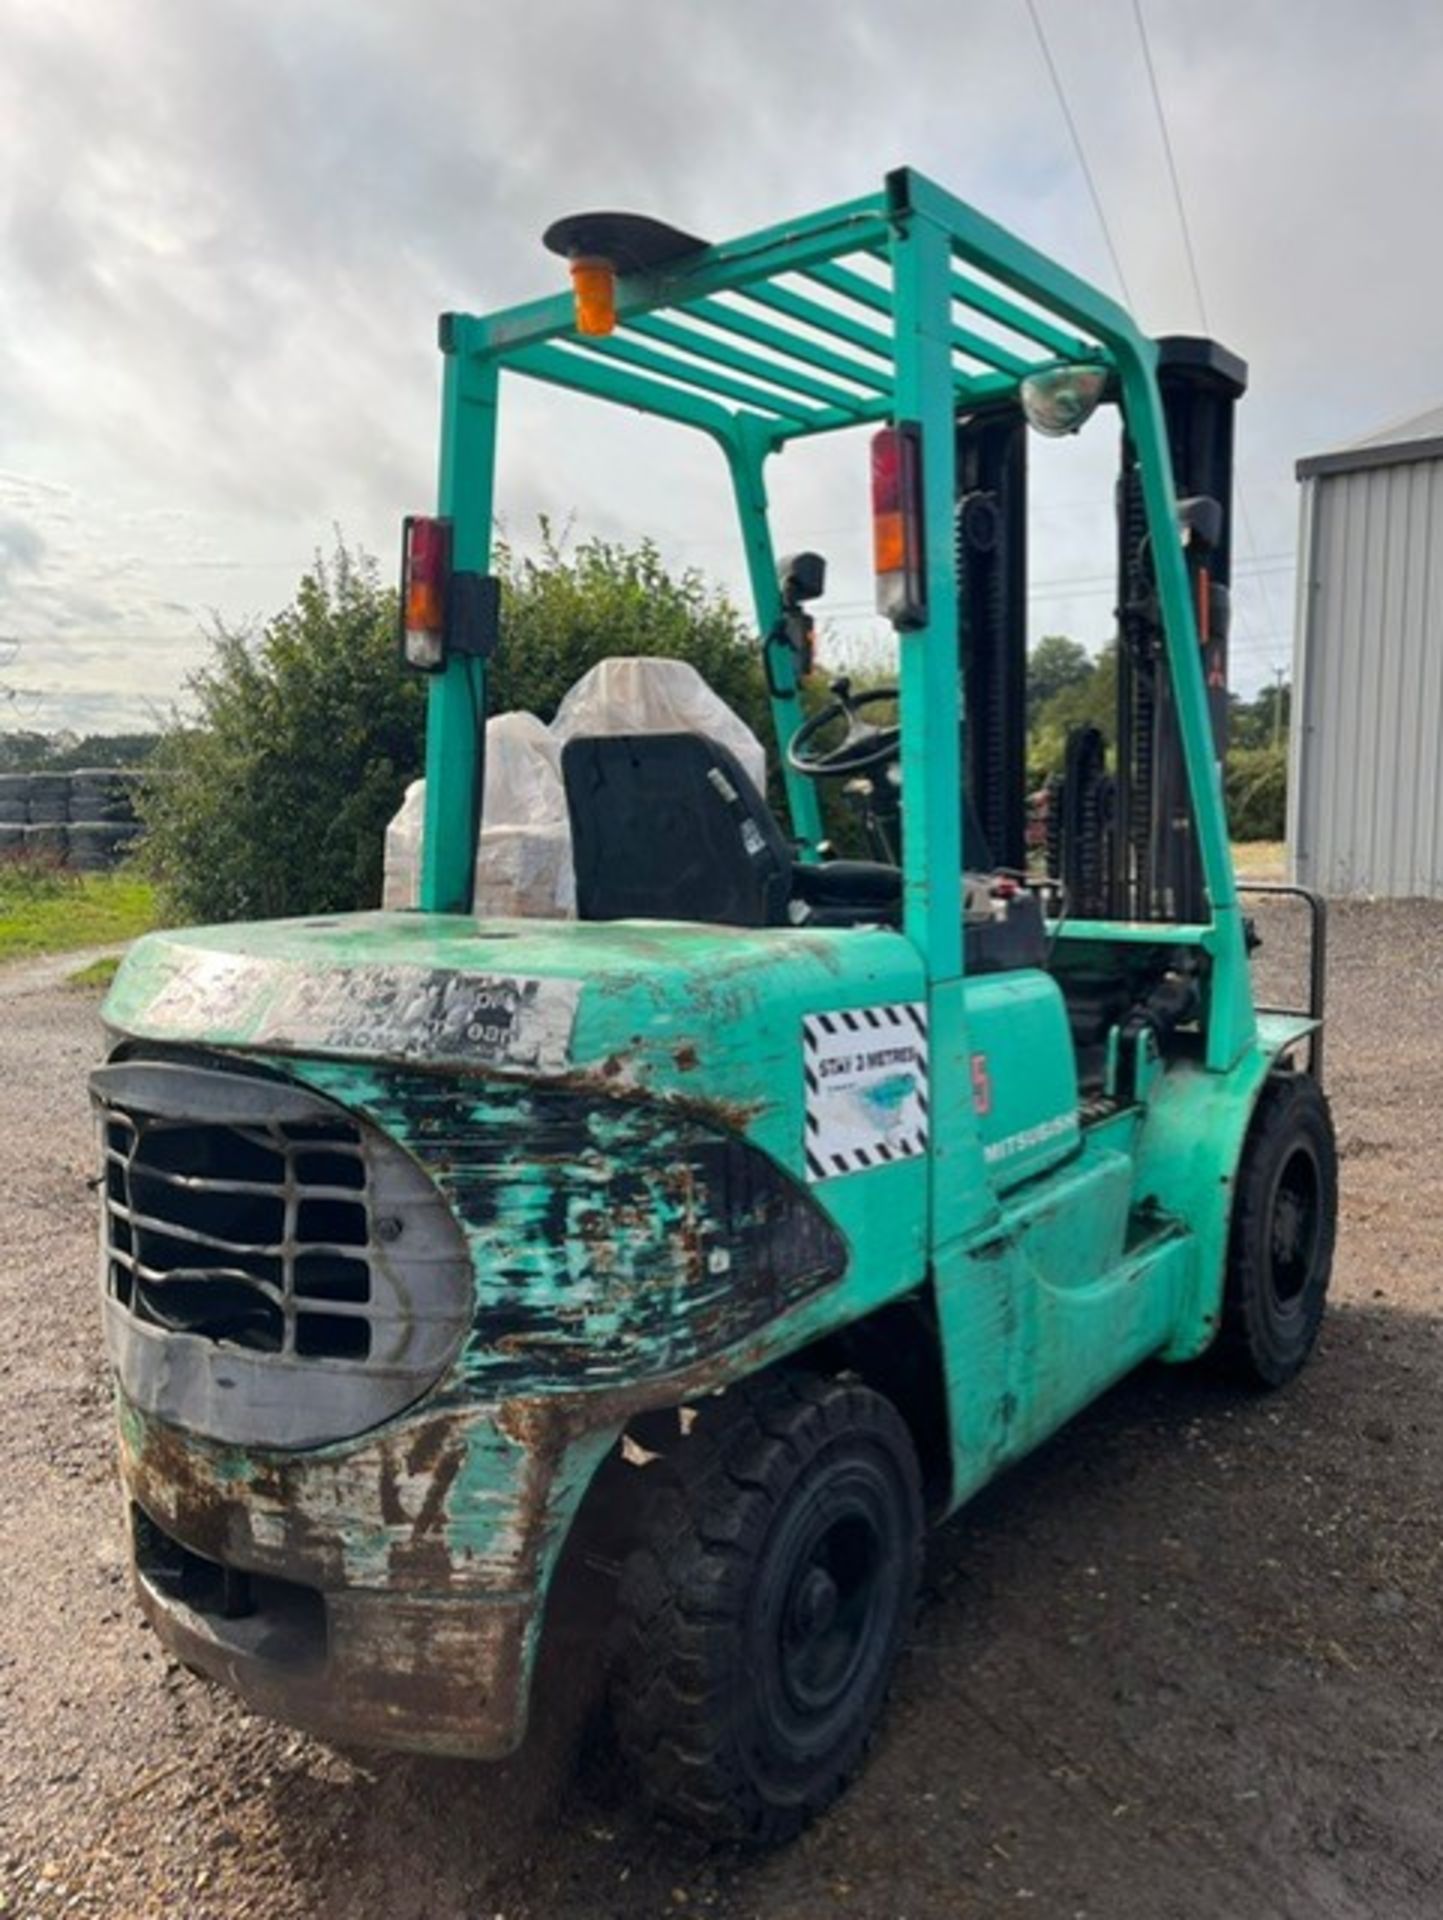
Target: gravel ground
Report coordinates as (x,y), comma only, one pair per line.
(1186,1664)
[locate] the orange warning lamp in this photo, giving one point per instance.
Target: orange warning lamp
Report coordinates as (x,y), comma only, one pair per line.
(593,281)
(604,247)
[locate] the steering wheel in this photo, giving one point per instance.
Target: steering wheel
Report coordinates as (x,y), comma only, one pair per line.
(862,747)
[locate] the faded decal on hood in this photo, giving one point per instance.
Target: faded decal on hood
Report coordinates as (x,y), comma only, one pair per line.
(379,1012)
(426,1013)
(206,992)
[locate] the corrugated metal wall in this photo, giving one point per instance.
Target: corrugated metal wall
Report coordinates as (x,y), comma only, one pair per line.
(1365,812)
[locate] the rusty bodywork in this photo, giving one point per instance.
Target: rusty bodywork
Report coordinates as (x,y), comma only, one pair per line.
(632,1243)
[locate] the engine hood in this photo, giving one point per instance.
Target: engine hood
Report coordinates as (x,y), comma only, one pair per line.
(711,1014)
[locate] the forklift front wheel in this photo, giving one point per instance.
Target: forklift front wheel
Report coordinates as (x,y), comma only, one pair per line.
(1280,1256)
(765,1604)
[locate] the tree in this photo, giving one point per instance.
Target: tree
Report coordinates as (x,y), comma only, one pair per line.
(1054,665)
(23,751)
(274,799)
(1067,688)
(100,750)
(565,610)
(1088,699)
(1255,782)
(1263,721)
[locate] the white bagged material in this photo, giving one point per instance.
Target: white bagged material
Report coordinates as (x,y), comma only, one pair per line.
(523,864)
(526,872)
(401,877)
(633,694)
(523,773)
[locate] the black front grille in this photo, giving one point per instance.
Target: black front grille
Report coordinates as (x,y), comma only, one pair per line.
(258,1235)
(277,1270)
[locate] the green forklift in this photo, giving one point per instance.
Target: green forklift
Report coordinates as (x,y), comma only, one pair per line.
(767,1209)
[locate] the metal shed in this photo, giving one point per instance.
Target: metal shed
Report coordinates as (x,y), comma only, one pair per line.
(1365,797)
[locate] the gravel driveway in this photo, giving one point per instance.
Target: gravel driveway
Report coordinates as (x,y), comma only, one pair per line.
(1186,1664)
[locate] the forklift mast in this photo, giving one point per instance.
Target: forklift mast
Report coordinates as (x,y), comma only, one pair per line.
(1124,842)
(992,610)
(1155,868)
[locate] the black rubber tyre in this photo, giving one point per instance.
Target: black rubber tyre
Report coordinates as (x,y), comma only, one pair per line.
(46,843)
(1280,1255)
(49,799)
(96,847)
(101,795)
(764,1607)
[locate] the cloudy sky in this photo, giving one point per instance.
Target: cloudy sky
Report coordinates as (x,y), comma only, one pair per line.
(227,226)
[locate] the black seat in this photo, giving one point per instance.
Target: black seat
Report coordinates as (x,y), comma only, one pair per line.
(669,826)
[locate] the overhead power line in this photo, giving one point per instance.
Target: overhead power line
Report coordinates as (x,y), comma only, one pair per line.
(1177,198)
(1175,182)
(1077,148)
(1249,538)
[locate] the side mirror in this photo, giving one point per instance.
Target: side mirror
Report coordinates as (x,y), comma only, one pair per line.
(801,576)
(1061,399)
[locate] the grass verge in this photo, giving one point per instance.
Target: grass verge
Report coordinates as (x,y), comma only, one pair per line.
(1260,859)
(98,975)
(47,910)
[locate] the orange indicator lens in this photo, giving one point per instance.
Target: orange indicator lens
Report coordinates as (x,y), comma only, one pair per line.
(594,284)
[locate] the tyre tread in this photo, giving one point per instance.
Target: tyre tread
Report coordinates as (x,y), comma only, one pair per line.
(1288,1101)
(685,1588)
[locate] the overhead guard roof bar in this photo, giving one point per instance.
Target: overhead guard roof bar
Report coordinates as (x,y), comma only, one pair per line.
(818,333)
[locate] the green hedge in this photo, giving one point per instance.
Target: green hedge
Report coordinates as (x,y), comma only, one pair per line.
(1256,788)
(273,798)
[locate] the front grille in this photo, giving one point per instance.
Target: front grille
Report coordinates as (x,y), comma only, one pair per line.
(259,1235)
(275,1270)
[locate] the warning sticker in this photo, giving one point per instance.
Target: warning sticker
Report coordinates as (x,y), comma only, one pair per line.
(866,1074)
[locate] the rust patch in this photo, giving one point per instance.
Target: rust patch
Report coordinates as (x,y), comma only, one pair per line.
(400,1674)
(685,1058)
(427,1445)
(421,1556)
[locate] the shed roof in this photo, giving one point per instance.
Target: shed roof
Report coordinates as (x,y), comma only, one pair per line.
(1420,437)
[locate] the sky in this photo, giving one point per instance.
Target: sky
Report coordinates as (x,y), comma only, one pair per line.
(227,227)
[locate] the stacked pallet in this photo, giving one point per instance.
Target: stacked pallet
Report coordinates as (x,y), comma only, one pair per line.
(85,820)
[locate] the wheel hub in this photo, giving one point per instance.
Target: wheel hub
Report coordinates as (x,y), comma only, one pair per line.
(814,1604)
(1294,1226)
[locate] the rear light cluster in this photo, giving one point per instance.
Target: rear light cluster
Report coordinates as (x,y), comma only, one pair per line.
(445,609)
(899,557)
(425,575)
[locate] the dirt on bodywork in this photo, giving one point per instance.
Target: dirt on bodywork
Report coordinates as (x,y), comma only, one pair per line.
(1186,1664)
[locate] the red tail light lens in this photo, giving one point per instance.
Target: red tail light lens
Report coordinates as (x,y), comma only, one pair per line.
(897,544)
(425,577)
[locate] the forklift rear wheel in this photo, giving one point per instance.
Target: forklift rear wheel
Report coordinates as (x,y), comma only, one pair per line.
(1280,1255)
(765,1604)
